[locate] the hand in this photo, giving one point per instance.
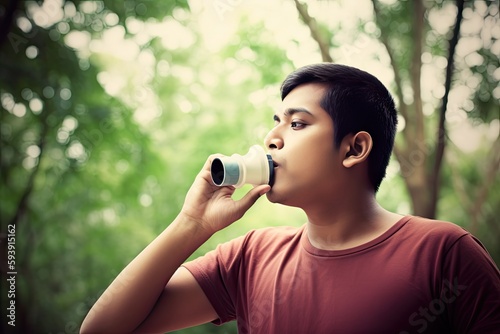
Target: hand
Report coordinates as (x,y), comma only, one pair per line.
(213,207)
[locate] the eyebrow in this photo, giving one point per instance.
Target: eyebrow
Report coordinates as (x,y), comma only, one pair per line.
(292,111)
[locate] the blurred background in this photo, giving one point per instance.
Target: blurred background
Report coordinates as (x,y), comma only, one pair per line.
(110,108)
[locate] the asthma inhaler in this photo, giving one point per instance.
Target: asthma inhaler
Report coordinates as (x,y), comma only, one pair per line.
(256,167)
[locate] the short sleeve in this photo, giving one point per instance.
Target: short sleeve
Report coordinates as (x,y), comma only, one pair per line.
(470,288)
(217,274)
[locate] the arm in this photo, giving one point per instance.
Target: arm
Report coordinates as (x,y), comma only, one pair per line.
(471,288)
(146,295)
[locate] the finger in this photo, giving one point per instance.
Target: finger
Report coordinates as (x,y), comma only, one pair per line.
(252,196)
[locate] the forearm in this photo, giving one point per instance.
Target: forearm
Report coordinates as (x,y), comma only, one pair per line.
(133,294)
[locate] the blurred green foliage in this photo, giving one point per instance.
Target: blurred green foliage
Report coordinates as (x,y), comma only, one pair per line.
(93,169)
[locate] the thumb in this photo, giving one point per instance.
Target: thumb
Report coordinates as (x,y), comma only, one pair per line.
(252,196)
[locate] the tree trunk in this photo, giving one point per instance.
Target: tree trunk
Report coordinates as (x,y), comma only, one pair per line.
(324,44)
(8,19)
(435,180)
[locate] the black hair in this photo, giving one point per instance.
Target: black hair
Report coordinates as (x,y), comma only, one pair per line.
(356,101)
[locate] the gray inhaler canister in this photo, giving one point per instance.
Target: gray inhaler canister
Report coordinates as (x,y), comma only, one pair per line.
(256,167)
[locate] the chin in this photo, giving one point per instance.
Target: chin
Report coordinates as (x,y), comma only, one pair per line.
(271,196)
(280,197)
(275,196)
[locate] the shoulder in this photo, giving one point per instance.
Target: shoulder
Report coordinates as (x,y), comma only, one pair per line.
(435,238)
(434,229)
(270,239)
(260,243)
(272,235)
(457,271)
(256,245)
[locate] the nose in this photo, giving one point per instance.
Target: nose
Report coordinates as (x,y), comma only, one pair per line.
(273,140)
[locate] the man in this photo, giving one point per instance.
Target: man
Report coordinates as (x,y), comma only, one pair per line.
(352,268)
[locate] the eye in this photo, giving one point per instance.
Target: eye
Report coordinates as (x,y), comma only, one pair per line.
(296,125)
(276,120)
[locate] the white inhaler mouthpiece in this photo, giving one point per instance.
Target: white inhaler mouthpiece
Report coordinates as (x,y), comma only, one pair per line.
(256,167)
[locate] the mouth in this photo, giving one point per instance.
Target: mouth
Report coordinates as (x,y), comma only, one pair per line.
(272,173)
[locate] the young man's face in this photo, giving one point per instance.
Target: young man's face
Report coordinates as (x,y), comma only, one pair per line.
(301,144)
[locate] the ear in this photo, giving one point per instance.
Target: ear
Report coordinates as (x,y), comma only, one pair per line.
(357,148)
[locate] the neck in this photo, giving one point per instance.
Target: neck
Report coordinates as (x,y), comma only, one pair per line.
(350,222)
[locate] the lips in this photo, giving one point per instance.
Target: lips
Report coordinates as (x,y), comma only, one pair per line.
(273,174)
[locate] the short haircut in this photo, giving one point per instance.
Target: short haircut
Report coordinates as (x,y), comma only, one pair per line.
(356,101)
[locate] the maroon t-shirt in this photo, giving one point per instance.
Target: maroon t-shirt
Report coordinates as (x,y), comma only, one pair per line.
(420,276)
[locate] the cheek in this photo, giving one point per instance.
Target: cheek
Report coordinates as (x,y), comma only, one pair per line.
(315,154)
(310,168)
